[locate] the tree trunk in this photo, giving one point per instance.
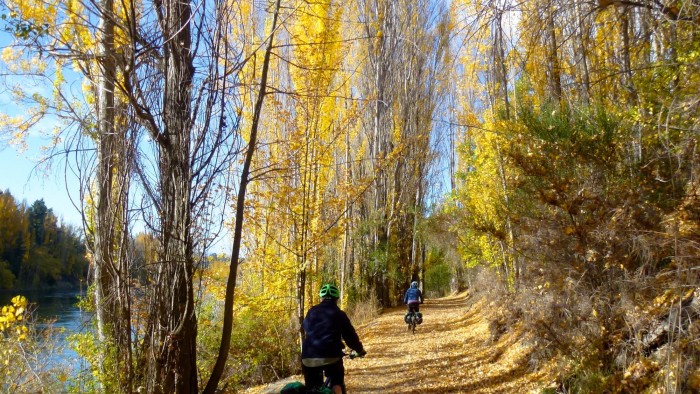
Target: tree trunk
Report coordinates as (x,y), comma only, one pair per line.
(632,97)
(105,113)
(176,369)
(111,273)
(301,302)
(225,343)
(553,68)
(582,36)
(499,60)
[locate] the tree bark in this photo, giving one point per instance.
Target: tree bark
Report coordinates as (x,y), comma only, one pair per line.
(105,114)
(553,67)
(111,239)
(176,369)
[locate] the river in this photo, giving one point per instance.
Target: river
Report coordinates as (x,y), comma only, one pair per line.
(57,309)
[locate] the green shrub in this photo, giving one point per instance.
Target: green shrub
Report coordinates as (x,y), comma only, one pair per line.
(586,382)
(437,274)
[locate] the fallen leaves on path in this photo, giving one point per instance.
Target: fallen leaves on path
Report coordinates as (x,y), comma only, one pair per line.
(450,353)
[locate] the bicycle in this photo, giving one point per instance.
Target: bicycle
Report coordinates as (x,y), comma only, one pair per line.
(413,319)
(326,388)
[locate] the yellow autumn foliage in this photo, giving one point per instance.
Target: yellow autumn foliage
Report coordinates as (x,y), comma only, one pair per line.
(16,347)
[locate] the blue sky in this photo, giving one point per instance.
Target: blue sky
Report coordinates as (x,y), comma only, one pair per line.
(18,169)
(22,173)
(19,174)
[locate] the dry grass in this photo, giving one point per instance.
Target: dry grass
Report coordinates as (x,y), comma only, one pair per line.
(363,312)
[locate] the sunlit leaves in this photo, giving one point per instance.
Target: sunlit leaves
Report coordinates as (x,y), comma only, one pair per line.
(74,30)
(12,315)
(14,331)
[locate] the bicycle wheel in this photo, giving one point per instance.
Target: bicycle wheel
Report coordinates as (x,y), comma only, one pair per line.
(409,321)
(412,323)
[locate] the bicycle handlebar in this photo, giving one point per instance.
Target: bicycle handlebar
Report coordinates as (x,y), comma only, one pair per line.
(353,354)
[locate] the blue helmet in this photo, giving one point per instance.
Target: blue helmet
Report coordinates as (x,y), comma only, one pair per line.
(414,285)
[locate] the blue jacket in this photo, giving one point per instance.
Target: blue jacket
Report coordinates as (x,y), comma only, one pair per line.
(326,327)
(413,295)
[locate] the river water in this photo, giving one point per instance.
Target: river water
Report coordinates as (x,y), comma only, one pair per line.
(57,309)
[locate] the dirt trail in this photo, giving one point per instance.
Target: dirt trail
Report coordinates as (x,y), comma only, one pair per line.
(450,353)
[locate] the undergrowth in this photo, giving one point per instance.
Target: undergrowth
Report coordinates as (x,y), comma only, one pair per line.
(631,335)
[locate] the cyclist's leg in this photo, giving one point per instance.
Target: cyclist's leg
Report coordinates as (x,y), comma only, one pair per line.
(336,372)
(313,376)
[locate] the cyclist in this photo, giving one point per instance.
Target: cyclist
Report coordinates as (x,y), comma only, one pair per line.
(413,297)
(326,327)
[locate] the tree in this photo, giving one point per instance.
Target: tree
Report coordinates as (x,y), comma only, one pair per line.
(161,79)
(238,226)
(594,93)
(400,80)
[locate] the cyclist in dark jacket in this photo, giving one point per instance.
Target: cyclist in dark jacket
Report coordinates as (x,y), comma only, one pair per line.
(326,327)
(413,297)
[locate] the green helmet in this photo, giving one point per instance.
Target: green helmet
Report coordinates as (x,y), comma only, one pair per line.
(329,291)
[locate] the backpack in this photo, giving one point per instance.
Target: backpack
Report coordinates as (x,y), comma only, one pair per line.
(299,388)
(293,388)
(416,315)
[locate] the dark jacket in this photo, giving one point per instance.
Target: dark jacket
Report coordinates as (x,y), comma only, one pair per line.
(413,295)
(325,324)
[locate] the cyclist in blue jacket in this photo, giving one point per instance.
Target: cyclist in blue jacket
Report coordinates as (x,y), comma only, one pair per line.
(326,327)
(413,297)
